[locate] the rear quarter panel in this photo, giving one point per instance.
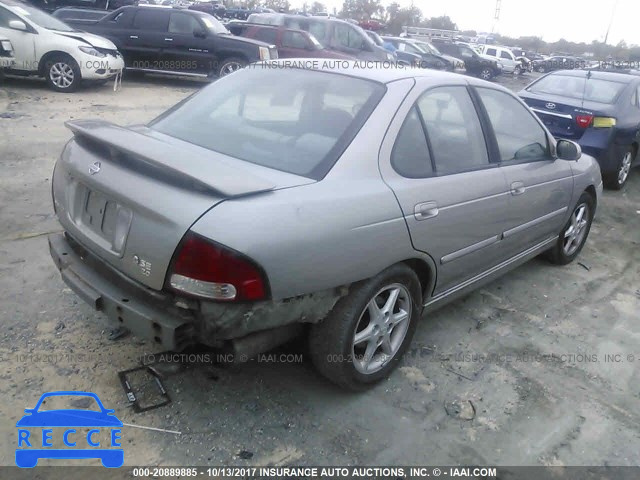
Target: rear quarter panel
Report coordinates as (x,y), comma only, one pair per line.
(342,229)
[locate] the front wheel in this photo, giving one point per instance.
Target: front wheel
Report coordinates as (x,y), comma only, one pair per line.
(541,69)
(368,331)
(62,73)
(230,65)
(486,74)
(574,234)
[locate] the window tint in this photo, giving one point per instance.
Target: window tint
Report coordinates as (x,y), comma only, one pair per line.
(454,130)
(151,19)
(348,37)
(183,23)
(492,52)
(294,40)
(519,135)
(267,35)
(506,55)
(410,155)
(466,52)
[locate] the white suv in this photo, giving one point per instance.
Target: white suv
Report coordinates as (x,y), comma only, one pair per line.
(47,47)
(504,56)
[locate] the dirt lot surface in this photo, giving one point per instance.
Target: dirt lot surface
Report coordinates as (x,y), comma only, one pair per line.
(480,385)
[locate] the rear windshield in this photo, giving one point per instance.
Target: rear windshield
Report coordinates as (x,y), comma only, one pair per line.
(580,88)
(294,120)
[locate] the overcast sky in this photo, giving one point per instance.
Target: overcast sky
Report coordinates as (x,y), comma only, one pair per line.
(574,20)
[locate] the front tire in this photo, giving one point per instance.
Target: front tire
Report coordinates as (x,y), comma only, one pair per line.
(62,73)
(231,65)
(574,234)
(366,334)
(618,180)
(486,74)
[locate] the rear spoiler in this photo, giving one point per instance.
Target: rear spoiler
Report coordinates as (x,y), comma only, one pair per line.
(204,167)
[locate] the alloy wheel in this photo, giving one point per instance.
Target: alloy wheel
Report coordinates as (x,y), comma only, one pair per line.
(575,233)
(230,68)
(381,328)
(61,75)
(625,168)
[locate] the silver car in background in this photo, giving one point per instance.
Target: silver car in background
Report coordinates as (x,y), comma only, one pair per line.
(342,202)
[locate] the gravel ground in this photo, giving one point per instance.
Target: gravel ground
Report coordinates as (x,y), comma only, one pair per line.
(478,387)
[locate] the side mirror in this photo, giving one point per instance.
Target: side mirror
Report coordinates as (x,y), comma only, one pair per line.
(200,33)
(17,25)
(568,150)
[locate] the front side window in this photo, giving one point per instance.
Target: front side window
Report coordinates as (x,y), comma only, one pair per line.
(182,23)
(520,137)
(492,52)
(294,40)
(41,18)
(294,120)
(267,35)
(348,37)
(454,130)
(507,56)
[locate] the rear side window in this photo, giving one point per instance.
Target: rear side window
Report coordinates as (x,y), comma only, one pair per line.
(520,137)
(151,19)
(410,156)
(267,35)
(454,130)
(294,40)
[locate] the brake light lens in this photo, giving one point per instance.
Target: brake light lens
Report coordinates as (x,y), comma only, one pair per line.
(584,121)
(206,269)
(604,122)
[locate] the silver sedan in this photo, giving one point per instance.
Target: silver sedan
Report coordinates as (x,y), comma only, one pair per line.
(335,201)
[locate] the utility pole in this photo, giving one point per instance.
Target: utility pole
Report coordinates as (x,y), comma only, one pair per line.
(496,16)
(613,14)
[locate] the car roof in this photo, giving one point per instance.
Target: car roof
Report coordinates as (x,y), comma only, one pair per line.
(382,72)
(611,76)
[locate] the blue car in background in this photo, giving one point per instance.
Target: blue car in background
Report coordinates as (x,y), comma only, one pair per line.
(32,447)
(599,110)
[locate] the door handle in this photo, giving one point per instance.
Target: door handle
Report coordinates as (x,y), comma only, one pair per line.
(133,36)
(168,39)
(518,188)
(425,210)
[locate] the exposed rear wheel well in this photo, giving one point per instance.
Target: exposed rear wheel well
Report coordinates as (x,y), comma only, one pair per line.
(591,190)
(425,275)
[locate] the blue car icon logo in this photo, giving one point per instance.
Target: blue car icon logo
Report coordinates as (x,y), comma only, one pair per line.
(67,426)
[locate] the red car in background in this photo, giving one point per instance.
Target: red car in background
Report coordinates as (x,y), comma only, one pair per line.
(371,24)
(290,43)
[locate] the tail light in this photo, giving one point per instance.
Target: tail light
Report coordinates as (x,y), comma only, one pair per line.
(209,270)
(584,121)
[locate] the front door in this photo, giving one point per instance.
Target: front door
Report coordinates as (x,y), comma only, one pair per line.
(454,199)
(540,187)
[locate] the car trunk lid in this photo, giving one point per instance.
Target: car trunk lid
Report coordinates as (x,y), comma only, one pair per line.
(565,117)
(130,194)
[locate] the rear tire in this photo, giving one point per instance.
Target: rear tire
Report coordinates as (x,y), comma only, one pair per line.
(618,180)
(574,234)
(62,73)
(366,334)
(541,69)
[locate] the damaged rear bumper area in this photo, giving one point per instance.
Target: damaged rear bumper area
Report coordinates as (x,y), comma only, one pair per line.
(175,323)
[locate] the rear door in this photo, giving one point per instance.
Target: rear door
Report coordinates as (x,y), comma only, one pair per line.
(540,186)
(146,37)
(454,200)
